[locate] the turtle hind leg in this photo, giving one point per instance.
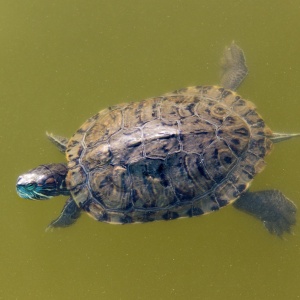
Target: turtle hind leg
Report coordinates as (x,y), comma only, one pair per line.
(234,69)
(276,211)
(68,216)
(59,141)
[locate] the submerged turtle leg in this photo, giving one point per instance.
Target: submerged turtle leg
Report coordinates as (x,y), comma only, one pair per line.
(59,141)
(276,211)
(69,214)
(234,69)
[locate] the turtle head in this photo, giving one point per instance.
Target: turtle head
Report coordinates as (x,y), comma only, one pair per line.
(43,182)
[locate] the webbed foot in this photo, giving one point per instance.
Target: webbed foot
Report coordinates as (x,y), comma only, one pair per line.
(68,216)
(234,69)
(275,210)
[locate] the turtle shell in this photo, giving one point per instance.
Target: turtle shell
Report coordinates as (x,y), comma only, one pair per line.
(182,154)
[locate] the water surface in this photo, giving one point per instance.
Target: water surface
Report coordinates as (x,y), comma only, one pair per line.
(61,62)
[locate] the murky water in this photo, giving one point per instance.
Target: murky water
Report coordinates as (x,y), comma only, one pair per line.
(61,62)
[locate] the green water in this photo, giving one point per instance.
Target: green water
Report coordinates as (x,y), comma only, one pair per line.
(61,62)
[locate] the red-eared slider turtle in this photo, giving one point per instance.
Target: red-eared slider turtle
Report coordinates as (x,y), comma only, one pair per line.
(183,154)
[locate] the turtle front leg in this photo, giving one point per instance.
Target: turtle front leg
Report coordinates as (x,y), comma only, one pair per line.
(276,211)
(68,216)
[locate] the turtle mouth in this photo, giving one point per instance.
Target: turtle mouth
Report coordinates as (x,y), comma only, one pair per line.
(31,192)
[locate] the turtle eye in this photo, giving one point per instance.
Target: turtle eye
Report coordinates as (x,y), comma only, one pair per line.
(50,183)
(50,180)
(30,186)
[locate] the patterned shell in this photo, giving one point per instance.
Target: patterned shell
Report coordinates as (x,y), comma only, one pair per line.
(182,154)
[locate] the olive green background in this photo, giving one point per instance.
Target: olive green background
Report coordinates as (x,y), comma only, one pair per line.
(61,62)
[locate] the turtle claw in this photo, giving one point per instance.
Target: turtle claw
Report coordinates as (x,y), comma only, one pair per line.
(49,228)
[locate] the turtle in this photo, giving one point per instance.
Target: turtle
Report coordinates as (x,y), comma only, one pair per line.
(183,154)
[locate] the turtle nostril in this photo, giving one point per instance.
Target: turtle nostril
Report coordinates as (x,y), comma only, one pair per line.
(19,180)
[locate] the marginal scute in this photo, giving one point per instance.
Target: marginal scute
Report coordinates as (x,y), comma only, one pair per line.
(213,93)
(225,193)
(136,114)
(205,204)
(243,107)
(108,125)
(76,176)
(169,109)
(184,154)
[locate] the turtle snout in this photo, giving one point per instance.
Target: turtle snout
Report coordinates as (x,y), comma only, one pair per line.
(26,186)
(20,181)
